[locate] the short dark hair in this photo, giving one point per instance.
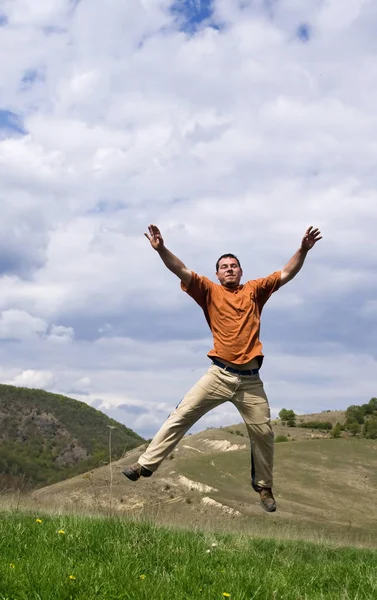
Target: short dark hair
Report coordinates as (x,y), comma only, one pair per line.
(227,255)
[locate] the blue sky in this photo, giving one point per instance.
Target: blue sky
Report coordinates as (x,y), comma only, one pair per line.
(233,126)
(191,13)
(10,122)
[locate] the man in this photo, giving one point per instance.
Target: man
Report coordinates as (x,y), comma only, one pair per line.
(233,314)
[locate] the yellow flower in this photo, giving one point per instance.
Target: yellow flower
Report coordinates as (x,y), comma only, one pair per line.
(38,520)
(142,576)
(226,595)
(61,531)
(72,577)
(12,566)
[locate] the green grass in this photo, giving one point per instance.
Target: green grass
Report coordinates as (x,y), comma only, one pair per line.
(115,559)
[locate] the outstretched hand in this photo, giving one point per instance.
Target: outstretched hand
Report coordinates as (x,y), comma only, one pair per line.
(155,238)
(310,238)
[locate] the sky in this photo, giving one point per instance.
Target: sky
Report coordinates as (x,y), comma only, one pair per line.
(231,124)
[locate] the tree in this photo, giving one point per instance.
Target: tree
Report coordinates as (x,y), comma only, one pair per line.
(336,431)
(291,421)
(355,413)
(372,406)
(354,428)
(370,428)
(288,417)
(283,414)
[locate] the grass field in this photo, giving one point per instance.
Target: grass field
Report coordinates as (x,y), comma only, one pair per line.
(66,557)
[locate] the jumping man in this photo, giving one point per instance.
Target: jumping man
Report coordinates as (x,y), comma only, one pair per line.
(233,312)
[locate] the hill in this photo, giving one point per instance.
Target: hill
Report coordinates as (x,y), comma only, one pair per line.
(47,437)
(324,487)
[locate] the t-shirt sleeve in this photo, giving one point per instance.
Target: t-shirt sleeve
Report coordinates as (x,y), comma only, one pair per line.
(266,286)
(199,289)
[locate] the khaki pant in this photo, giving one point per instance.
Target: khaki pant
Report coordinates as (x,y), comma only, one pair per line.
(214,388)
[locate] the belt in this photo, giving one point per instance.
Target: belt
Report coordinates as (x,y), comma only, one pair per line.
(236,371)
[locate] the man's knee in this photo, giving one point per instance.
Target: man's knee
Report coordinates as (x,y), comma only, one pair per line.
(182,416)
(262,431)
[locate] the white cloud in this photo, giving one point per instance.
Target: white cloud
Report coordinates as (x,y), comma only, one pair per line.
(61,334)
(20,325)
(34,379)
(83,384)
(27,12)
(233,139)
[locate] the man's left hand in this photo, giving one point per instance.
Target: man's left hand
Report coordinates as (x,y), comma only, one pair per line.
(310,238)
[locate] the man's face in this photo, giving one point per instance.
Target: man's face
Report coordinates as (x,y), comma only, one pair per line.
(229,272)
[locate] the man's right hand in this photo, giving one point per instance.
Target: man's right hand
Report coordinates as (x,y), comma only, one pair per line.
(174,264)
(155,238)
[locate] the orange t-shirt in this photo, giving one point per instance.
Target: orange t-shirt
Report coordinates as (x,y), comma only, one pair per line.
(233,315)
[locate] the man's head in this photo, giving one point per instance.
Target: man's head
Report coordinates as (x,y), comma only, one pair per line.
(228,270)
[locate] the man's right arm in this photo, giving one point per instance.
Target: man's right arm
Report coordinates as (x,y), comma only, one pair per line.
(175,265)
(172,262)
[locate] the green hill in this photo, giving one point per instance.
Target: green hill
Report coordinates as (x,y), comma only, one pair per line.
(46,437)
(324,487)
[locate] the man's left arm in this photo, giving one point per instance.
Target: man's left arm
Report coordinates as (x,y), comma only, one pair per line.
(293,266)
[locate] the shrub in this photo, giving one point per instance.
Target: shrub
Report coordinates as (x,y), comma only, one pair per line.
(281,438)
(370,428)
(317,425)
(355,413)
(336,431)
(354,428)
(288,417)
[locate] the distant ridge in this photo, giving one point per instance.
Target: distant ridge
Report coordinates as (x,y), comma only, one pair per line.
(47,437)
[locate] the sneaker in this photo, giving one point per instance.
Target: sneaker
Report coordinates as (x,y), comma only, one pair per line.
(135,471)
(267,499)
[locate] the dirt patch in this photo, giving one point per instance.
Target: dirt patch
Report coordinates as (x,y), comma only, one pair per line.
(192,448)
(226,509)
(195,485)
(223,445)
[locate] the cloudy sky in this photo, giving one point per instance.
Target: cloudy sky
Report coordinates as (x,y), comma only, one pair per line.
(233,125)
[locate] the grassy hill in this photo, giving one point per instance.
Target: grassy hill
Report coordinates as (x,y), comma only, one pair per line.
(324,487)
(299,432)
(47,437)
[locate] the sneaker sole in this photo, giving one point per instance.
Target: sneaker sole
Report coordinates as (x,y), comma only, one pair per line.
(135,475)
(267,508)
(131,475)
